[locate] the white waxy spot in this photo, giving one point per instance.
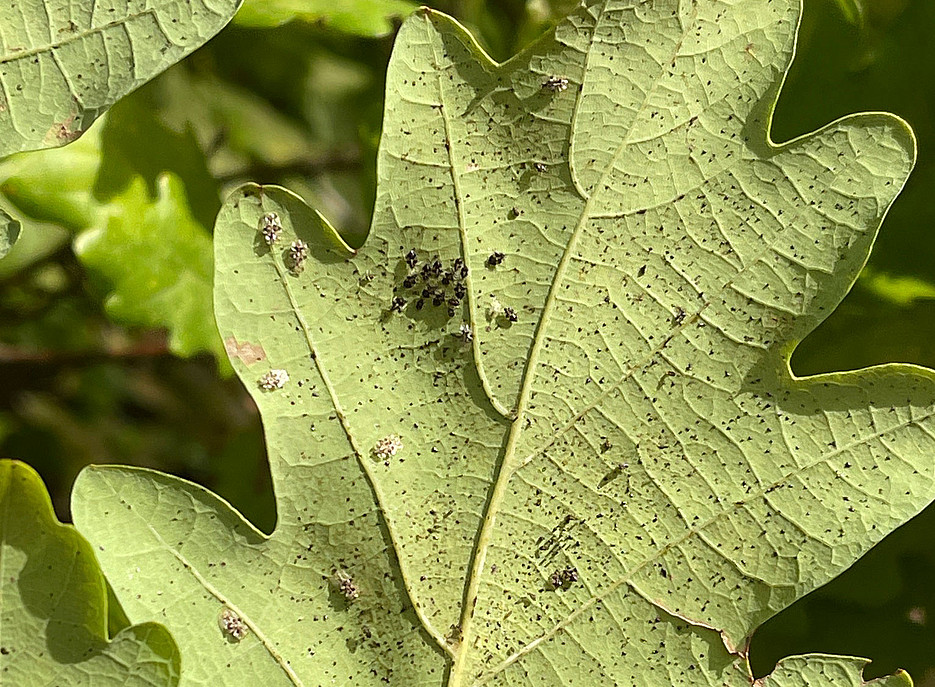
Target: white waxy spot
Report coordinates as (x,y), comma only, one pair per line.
(270,227)
(496,307)
(232,625)
(274,379)
(387,447)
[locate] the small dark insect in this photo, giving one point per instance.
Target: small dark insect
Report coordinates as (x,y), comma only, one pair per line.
(540,167)
(426,270)
(454,302)
(562,579)
(398,304)
(451,312)
(457,264)
(436,267)
(438,298)
(679,316)
(606,446)
(641,271)
(447,276)
(427,292)
(510,314)
(494,258)
(460,290)
(412,258)
(420,304)
(555,83)
(464,271)
(409,281)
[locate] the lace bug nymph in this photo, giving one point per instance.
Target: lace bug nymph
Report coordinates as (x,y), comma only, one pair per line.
(495,258)
(270,227)
(232,625)
(298,254)
(387,447)
(556,84)
(274,379)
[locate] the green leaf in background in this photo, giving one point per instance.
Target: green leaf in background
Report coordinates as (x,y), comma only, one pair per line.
(557,374)
(139,232)
(156,259)
(853,10)
(827,670)
(54,614)
(62,64)
(9,232)
(359,17)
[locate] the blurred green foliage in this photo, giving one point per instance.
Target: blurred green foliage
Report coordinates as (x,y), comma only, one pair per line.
(108,285)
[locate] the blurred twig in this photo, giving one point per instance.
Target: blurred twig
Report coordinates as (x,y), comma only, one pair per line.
(150,345)
(328,161)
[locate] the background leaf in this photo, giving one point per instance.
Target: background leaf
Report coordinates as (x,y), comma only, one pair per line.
(362,17)
(138,233)
(9,232)
(63,64)
(54,618)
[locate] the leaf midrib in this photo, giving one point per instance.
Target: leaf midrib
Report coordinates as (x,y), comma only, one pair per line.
(507,466)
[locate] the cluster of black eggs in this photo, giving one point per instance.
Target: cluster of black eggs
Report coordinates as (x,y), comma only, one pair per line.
(432,283)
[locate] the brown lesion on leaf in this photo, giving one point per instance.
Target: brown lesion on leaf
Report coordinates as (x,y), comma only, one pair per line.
(64,132)
(248,353)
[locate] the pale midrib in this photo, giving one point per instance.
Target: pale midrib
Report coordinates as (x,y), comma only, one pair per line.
(692,531)
(81,35)
(507,466)
(361,455)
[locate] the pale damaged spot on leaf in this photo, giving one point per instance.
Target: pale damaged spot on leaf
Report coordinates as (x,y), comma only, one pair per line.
(63,132)
(248,353)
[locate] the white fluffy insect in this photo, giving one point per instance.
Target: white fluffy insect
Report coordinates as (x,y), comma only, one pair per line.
(347,586)
(270,227)
(387,447)
(555,84)
(298,253)
(274,379)
(466,334)
(232,625)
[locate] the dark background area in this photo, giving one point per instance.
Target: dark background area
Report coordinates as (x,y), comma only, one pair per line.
(86,381)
